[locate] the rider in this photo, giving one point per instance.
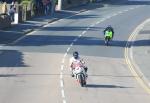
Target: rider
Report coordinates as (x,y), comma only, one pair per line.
(76,58)
(109,31)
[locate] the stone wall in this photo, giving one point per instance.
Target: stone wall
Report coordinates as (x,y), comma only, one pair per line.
(5,21)
(4,17)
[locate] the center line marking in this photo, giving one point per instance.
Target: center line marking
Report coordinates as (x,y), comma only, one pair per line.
(83,32)
(61,83)
(63,93)
(62,67)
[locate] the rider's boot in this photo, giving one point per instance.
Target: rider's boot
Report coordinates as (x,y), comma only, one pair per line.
(85,69)
(72,75)
(86,75)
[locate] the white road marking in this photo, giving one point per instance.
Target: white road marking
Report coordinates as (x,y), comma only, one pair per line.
(108,17)
(65,54)
(63,61)
(62,67)
(61,75)
(61,83)
(87,28)
(75,39)
(97,22)
(126,10)
(120,12)
(83,32)
(64,101)
(71,44)
(92,25)
(115,14)
(79,35)
(63,93)
(68,50)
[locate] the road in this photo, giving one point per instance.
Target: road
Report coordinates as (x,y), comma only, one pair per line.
(34,69)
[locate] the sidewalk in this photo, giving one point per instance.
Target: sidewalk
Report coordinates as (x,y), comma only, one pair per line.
(11,34)
(141,52)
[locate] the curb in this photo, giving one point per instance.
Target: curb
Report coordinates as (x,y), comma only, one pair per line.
(51,21)
(31,30)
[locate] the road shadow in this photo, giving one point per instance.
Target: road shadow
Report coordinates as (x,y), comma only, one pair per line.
(7,75)
(11,58)
(126,2)
(9,36)
(20,75)
(71,28)
(87,6)
(138,2)
(45,40)
(104,86)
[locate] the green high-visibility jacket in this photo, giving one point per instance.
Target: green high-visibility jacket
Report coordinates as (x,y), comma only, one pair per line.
(108,33)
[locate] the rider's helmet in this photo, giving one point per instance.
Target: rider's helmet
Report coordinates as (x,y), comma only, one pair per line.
(109,26)
(75,54)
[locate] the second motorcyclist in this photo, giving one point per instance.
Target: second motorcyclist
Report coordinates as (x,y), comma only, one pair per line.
(109,31)
(76,59)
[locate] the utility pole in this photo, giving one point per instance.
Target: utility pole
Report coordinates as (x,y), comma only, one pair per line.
(59,4)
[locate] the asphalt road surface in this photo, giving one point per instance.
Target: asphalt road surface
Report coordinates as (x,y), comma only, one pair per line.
(34,69)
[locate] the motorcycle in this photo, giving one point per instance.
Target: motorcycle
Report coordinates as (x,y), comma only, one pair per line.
(80,74)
